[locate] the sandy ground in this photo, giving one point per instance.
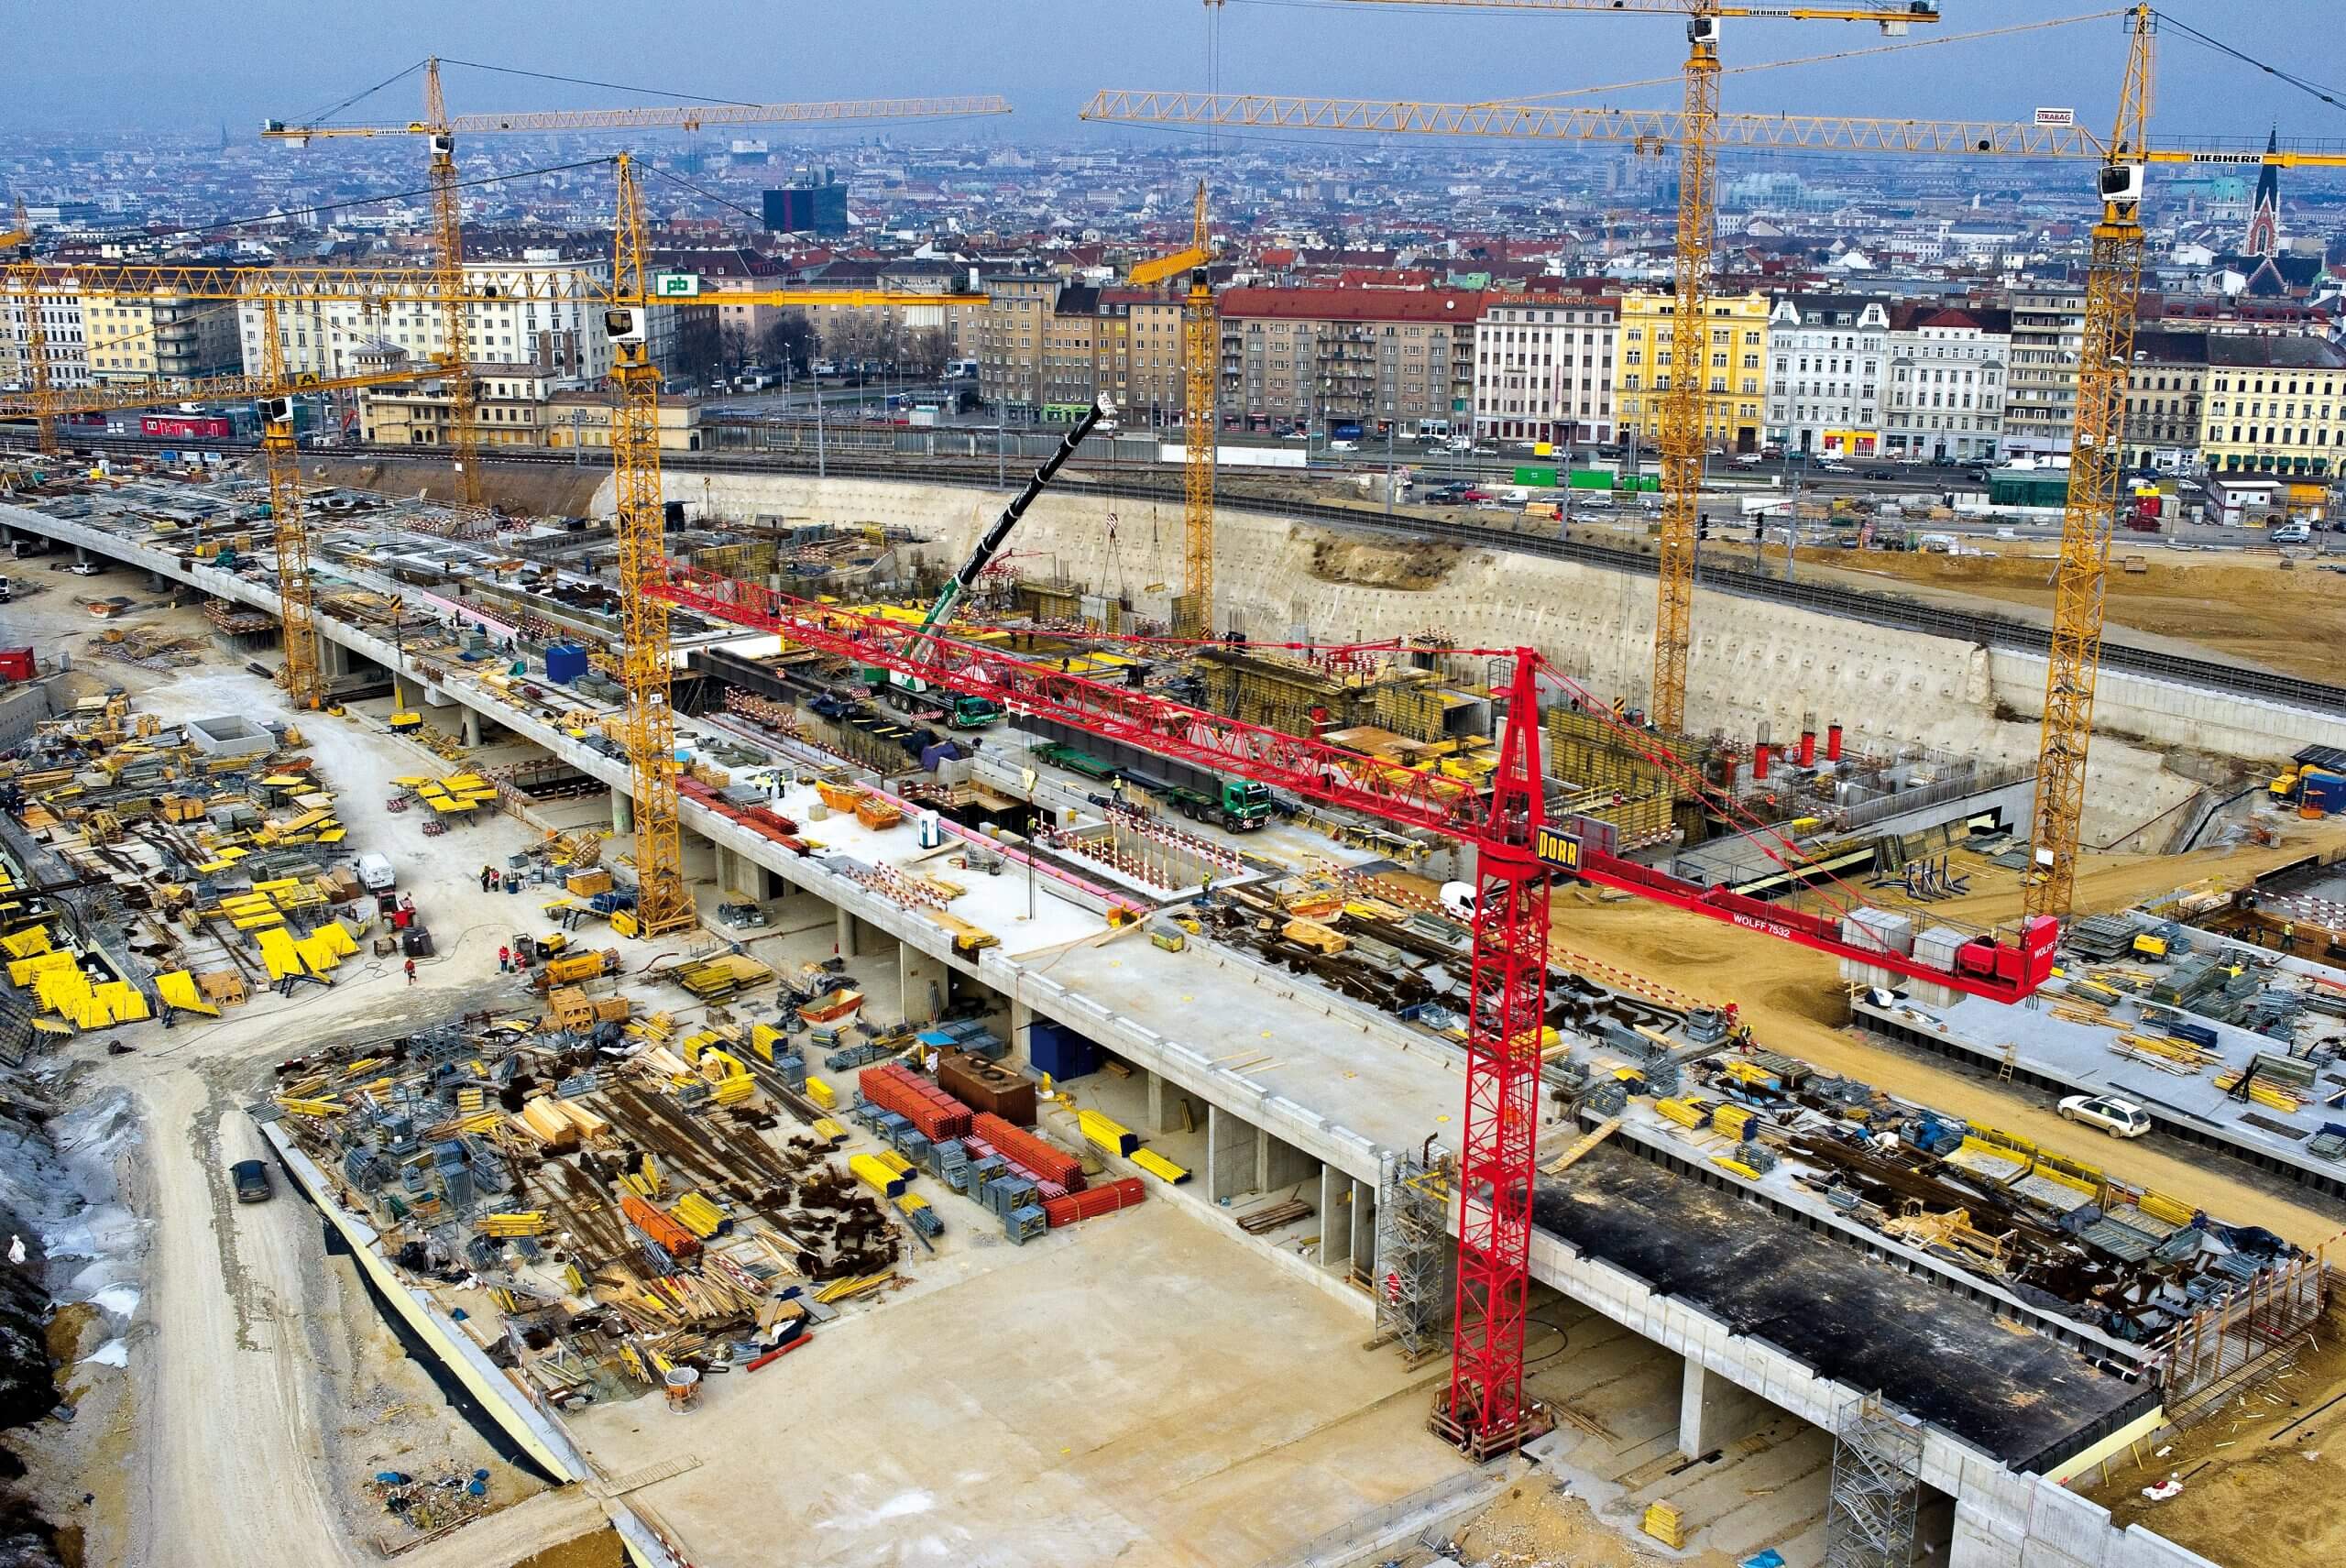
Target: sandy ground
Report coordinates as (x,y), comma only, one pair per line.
(1792,998)
(2261,1478)
(2247,606)
(263,1390)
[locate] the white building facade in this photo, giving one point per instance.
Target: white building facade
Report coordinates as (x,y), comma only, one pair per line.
(1828,353)
(1543,367)
(1946,400)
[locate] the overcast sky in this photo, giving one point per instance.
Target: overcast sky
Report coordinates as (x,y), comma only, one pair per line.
(148,65)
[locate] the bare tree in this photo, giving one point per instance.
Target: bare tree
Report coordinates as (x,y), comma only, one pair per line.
(788,340)
(733,346)
(926,351)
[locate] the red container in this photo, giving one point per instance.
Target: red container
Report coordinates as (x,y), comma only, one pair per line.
(1808,748)
(1047,1161)
(1089,1204)
(15,664)
(1831,743)
(1759,762)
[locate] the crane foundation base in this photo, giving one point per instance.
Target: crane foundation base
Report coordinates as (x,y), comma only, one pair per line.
(1534,1424)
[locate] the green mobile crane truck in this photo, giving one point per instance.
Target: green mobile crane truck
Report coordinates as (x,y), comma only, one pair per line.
(960,710)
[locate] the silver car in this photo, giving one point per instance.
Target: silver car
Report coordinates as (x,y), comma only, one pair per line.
(2118,1118)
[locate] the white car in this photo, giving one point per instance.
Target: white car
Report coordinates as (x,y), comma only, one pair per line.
(1747,460)
(2118,1118)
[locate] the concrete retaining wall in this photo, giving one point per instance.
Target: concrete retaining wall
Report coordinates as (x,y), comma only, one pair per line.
(1753,663)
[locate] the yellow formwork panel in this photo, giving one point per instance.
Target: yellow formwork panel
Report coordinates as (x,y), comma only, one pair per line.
(278,951)
(176,988)
(30,942)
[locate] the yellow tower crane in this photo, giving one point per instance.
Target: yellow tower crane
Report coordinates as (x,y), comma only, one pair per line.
(1687,397)
(634,442)
(664,900)
(442,129)
(1194,612)
(2113,291)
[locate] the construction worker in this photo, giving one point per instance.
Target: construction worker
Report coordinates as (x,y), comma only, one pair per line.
(505,960)
(410,971)
(2289,938)
(487,876)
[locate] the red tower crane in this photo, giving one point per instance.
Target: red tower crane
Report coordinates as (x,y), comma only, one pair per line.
(1483,1409)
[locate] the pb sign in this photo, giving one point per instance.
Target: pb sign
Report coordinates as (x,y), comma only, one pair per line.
(676,285)
(1561,850)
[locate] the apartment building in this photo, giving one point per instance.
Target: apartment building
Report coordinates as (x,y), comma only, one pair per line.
(1945,395)
(1736,376)
(840,325)
(2041,402)
(141,337)
(58,310)
(2164,391)
(1544,366)
(1012,338)
(1828,356)
(2274,406)
(511,409)
(546,311)
(1398,360)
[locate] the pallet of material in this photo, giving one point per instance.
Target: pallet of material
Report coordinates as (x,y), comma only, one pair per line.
(935,1114)
(966,938)
(1093,1201)
(984,1086)
(1047,1160)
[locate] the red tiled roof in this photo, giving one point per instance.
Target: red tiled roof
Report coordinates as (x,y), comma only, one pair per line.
(1353,304)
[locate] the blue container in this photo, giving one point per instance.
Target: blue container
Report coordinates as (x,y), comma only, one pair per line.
(565,662)
(2325,791)
(1058,1051)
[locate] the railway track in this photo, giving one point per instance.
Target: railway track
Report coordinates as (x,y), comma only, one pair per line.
(1151,480)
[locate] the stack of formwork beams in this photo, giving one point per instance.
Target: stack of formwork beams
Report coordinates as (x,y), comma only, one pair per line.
(1024,1148)
(935,1114)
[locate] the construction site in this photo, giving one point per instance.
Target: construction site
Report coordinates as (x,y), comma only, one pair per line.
(727,1021)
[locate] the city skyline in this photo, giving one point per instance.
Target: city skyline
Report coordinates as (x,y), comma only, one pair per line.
(278,60)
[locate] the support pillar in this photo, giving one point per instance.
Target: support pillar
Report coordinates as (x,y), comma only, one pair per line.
(1232,1143)
(81,555)
(471,730)
(1283,1165)
(1363,1252)
(924,982)
(1335,1217)
(1021,1018)
(622,812)
(1713,1411)
(846,937)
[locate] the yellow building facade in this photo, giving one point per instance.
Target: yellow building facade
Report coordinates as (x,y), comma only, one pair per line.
(1646,361)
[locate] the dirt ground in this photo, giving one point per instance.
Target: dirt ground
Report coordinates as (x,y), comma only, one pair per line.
(1793,996)
(1534,1525)
(2258,1491)
(2248,605)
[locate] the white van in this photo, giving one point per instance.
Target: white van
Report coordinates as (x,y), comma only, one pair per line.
(2290,533)
(375,873)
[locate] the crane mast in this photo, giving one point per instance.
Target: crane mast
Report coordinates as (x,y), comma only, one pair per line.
(296,596)
(1682,421)
(663,901)
(448,270)
(2097,459)
(1202,353)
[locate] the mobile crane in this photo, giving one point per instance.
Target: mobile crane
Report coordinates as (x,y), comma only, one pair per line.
(963,710)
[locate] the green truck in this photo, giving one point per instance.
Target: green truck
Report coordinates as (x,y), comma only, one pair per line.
(1239,805)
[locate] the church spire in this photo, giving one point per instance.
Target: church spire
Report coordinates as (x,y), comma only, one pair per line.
(2264,215)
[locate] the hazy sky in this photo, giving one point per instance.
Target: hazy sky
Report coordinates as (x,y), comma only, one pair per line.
(148,65)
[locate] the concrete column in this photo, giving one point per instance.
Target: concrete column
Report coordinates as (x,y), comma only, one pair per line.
(1155,1085)
(1364,1219)
(1335,1217)
(1714,1411)
(1021,1018)
(81,555)
(622,812)
(471,733)
(1230,1146)
(846,937)
(925,981)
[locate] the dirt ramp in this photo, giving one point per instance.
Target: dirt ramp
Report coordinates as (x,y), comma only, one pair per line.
(540,489)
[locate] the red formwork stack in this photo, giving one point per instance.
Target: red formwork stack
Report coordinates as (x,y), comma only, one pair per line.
(1092,1202)
(937,1113)
(1047,1161)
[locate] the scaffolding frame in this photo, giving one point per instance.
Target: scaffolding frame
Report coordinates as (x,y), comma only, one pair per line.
(1877,1488)
(1413,1271)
